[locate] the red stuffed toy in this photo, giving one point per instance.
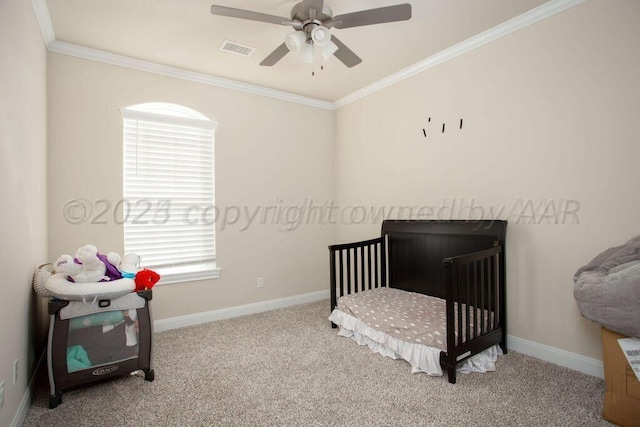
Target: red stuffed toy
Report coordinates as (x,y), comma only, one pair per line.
(145,279)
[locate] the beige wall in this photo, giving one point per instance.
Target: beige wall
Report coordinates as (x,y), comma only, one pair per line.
(23,193)
(550,112)
(268,153)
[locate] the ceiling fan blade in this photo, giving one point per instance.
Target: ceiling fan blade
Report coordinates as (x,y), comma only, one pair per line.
(399,12)
(344,54)
(247,14)
(275,56)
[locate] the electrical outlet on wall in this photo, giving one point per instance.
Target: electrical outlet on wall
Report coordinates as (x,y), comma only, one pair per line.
(260,282)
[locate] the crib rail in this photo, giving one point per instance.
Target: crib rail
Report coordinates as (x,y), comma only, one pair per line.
(356,267)
(475,304)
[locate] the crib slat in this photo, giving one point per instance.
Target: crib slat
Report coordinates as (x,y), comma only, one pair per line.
(498,295)
(474,306)
(383,261)
(362,277)
(369,265)
(332,266)
(375,265)
(451,278)
(459,306)
(467,320)
(492,306)
(341,276)
(349,271)
(474,300)
(355,270)
(356,288)
(494,295)
(482,300)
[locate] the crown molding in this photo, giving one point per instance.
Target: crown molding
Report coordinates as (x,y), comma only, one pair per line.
(541,12)
(531,17)
(83,52)
(44,21)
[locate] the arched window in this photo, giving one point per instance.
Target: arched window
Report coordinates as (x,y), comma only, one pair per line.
(168,189)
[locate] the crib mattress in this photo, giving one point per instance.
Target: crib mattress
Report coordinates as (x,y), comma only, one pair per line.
(407,325)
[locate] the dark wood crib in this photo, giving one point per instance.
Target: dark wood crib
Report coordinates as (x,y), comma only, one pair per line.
(462,262)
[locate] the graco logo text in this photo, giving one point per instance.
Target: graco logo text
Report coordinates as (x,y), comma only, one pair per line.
(105,371)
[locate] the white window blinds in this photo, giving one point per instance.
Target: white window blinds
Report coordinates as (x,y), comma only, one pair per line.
(168,189)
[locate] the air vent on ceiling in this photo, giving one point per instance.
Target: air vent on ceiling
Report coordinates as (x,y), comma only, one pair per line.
(237,48)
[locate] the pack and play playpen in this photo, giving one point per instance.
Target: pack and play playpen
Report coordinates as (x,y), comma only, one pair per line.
(97,330)
(90,342)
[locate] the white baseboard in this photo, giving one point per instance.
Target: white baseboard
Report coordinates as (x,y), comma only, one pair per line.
(557,356)
(241,310)
(25,404)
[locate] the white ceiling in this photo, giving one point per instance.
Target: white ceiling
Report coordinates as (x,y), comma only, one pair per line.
(183,34)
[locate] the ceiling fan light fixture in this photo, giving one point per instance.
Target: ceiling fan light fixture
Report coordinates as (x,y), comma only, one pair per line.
(307,53)
(321,36)
(295,41)
(328,50)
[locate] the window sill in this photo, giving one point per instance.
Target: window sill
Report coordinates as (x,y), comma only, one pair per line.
(190,273)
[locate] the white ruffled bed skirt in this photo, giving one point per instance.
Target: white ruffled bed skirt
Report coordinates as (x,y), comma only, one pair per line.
(422,358)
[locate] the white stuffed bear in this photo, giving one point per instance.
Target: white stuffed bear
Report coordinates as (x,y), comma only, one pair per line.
(114,258)
(129,265)
(93,270)
(65,265)
(90,269)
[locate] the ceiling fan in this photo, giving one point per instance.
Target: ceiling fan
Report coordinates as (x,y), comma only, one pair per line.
(311,20)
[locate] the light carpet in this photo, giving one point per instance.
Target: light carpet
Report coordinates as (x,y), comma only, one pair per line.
(288,367)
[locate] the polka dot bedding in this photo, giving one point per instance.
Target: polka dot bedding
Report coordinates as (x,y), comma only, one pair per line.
(406,316)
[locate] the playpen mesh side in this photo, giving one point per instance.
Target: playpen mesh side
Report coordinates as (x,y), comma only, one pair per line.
(102,339)
(81,350)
